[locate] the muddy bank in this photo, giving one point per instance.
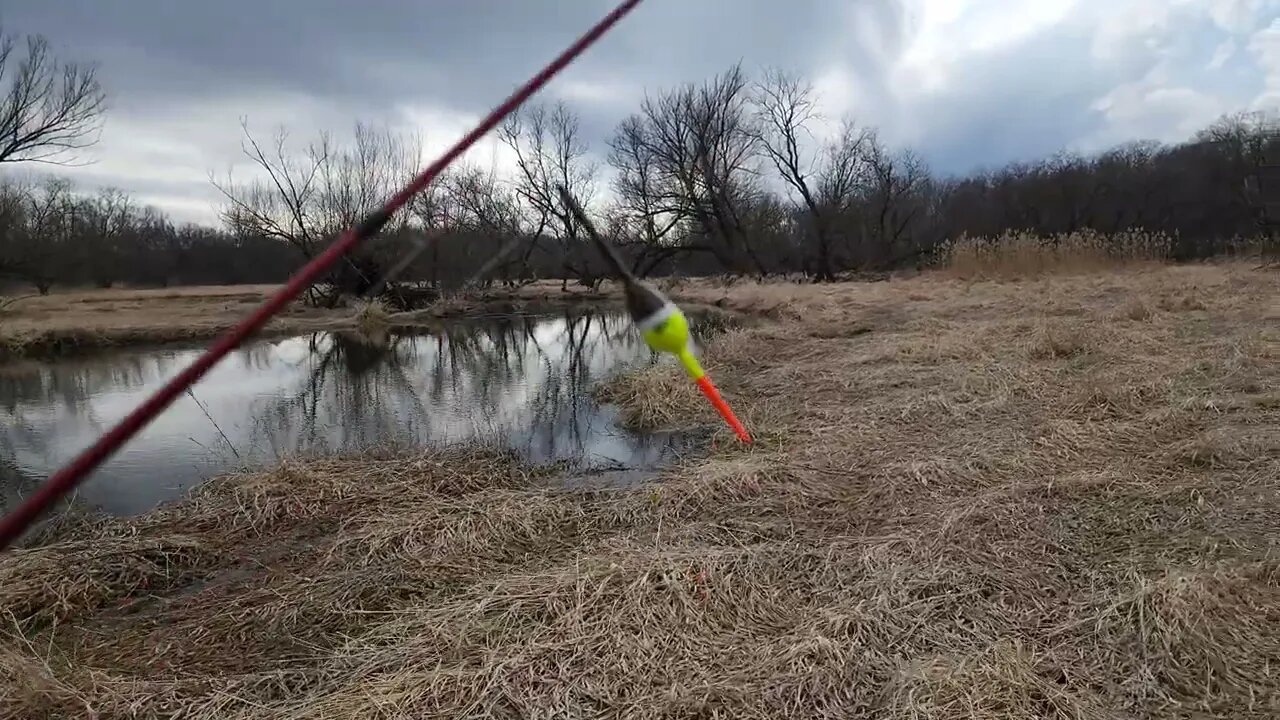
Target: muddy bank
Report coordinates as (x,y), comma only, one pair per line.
(548,301)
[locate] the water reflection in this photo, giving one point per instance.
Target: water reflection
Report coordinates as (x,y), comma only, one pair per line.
(519,381)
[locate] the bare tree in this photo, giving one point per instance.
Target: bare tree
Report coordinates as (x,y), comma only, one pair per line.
(13,225)
(825,176)
(280,205)
(39,254)
(550,151)
(898,178)
(48,110)
(724,149)
(690,198)
(434,213)
(52,234)
(102,224)
(649,207)
(494,233)
(785,106)
(844,172)
(358,179)
(687,162)
(305,198)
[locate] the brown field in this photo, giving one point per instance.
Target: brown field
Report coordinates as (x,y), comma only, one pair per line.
(63,322)
(1054,497)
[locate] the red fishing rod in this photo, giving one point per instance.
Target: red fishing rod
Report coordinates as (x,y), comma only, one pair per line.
(73,473)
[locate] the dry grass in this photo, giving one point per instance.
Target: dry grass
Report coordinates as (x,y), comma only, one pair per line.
(661,396)
(372,317)
(63,322)
(967,500)
(657,397)
(1023,254)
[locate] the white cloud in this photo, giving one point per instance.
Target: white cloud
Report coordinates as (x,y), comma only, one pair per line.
(1235,16)
(1125,28)
(945,32)
(166,158)
(1143,110)
(441,128)
(1265,48)
(1013,77)
(836,88)
(1222,54)
(948,29)
(596,92)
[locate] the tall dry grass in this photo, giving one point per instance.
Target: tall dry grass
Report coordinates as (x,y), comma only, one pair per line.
(1024,254)
(372,317)
(1019,499)
(1021,254)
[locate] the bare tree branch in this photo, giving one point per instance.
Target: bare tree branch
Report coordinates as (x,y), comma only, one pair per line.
(48,110)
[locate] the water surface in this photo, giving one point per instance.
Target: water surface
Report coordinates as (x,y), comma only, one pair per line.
(522,382)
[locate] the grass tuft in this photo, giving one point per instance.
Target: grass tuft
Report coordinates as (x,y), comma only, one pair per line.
(1136,309)
(372,317)
(655,397)
(1057,340)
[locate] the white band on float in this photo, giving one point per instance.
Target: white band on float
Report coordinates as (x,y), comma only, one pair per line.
(661,314)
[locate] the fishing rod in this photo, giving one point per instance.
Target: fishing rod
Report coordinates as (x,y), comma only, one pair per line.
(73,473)
(662,325)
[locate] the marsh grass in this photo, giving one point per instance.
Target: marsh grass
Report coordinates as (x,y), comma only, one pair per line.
(1023,254)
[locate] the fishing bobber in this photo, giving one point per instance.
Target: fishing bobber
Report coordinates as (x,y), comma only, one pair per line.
(662,325)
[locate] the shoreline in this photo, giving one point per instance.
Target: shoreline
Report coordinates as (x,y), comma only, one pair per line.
(140,318)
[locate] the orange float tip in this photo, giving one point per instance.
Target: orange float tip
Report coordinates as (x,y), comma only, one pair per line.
(709,389)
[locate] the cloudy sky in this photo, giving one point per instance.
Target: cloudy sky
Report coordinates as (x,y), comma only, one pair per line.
(967,83)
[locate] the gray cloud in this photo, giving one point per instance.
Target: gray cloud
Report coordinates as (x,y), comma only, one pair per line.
(468,51)
(182,74)
(324,63)
(1017,104)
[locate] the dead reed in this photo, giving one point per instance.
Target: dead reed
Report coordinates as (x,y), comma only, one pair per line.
(1023,254)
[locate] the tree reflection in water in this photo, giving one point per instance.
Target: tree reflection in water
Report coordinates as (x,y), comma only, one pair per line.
(520,382)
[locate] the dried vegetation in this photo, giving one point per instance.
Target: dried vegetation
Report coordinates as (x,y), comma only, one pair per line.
(1018,499)
(1021,254)
(72,321)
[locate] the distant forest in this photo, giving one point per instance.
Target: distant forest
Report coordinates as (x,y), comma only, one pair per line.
(727,176)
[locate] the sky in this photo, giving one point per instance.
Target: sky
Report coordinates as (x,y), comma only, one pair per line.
(967,84)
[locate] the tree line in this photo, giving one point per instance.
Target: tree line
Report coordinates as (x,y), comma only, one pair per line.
(737,174)
(49,234)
